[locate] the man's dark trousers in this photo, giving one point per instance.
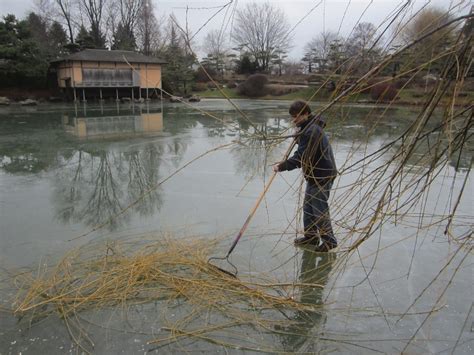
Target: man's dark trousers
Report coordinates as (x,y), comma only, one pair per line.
(316,219)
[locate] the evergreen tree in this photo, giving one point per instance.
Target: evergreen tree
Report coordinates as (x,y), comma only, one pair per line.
(57,40)
(246,66)
(24,64)
(98,39)
(178,73)
(51,40)
(84,39)
(39,29)
(124,39)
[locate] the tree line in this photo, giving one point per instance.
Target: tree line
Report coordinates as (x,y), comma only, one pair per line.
(258,41)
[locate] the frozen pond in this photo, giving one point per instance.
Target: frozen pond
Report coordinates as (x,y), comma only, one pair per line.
(72,175)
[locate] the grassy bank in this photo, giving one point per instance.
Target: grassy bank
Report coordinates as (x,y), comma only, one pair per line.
(304,93)
(405,97)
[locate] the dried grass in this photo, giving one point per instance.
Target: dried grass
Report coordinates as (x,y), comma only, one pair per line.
(133,272)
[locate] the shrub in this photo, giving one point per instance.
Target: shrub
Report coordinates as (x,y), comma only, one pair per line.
(368,86)
(278,89)
(200,86)
(201,76)
(330,86)
(232,85)
(400,83)
(383,92)
(315,78)
(254,86)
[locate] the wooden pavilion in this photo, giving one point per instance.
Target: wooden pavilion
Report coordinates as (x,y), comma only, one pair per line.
(100,73)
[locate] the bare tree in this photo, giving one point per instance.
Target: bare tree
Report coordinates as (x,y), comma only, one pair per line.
(111,21)
(122,22)
(292,68)
(317,50)
(130,13)
(215,44)
(94,10)
(216,49)
(64,10)
(362,38)
(427,20)
(45,9)
(427,50)
(262,30)
(149,30)
(361,47)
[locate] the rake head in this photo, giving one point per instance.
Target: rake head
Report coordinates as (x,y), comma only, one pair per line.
(221,269)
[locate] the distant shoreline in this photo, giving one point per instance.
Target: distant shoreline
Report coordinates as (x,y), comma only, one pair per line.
(15,95)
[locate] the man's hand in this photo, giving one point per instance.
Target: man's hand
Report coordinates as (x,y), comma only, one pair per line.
(276,167)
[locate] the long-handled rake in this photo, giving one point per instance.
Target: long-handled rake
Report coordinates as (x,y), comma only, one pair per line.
(249,218)
(241,232)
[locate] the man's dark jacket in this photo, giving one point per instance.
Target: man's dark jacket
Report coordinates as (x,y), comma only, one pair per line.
(314,154)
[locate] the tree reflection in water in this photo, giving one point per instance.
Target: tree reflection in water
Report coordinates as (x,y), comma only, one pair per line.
(104,200)
(142,177)
(93,194)
(303,332)
(100,184)
(254,155)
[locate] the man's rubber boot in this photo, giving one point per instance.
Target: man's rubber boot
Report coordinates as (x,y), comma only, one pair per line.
(307,240)
(327,244)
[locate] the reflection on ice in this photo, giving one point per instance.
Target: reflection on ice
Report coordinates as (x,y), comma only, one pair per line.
(121,123)
(65,169)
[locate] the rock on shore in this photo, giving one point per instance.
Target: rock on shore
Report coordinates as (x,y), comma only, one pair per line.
(29,102)
(4,101)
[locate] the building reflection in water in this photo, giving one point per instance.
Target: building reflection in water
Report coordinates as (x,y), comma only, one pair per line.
(302,332)
(97,123)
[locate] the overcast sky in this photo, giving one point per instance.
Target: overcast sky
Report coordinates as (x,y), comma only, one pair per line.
(323,14)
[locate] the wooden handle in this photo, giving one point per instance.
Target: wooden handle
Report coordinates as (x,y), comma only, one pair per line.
(257,203)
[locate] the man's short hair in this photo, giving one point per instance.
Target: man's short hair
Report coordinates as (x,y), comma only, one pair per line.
(299,107)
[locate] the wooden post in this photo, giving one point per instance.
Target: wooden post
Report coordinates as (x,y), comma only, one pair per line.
(75,97)
(100,92)
(133,95)
(116,94)
(84,95)
(161,99)
(146,81)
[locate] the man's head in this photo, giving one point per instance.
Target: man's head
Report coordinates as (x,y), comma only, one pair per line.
(299,111)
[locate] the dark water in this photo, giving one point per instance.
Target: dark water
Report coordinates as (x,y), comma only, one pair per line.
(65,170)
